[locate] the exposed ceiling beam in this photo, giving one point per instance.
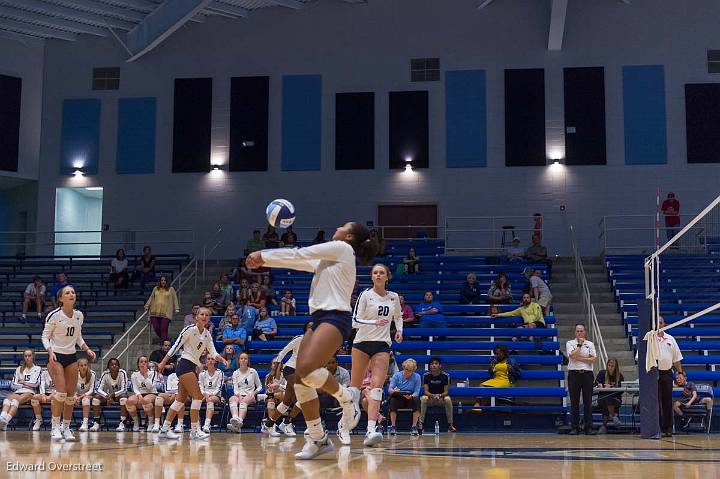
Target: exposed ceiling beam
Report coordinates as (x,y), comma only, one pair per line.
(36,30)
(484,3)
(294,4)
(102,9)
(229,9)
(557,24)
(161,23)
(142,5)
(19,37)
(71,14)
(50,22)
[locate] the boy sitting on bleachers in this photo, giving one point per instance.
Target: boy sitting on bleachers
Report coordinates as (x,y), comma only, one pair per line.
(689,397)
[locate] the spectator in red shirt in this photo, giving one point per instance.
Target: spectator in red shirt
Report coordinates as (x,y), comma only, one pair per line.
(255,295)
(408,315)
(671,210)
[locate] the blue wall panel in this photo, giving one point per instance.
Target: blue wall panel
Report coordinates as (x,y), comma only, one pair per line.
(644,115)
(136,136)
(301,122)
(80,144)
(465,119)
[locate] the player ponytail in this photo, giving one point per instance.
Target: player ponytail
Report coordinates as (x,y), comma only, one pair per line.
(366,247)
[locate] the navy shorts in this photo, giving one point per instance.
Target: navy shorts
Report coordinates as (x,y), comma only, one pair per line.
(288,371)
(342,320)
(371,348)
(66,359)
(184,366)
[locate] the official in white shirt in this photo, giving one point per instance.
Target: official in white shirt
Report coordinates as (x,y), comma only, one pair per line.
(669,356)
(581,353)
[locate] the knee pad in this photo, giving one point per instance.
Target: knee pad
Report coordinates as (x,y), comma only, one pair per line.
(304,393)
(376,394)
(60,397)
(123,401)
(176,405)
(282,408)
(70,400)
(130,408)
(34,402)
(95,402)
(242,406)
(195,404)
(317,378)
(148,408)
(85,401)
(262,397)
(6,402)
(270,405)
(14,403)
(210,406)
(159,401)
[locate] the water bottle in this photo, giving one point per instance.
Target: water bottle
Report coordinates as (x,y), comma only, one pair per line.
(467,382)
(437,428)
(459,408)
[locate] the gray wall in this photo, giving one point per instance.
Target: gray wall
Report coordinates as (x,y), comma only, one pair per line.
(367,48)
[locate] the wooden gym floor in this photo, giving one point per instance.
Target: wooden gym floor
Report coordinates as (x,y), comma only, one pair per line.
(449,456)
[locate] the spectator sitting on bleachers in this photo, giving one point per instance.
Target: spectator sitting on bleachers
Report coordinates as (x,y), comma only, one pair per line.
(470,293)
(689,397)
(255,243)
(230,357)
(61,280)
(382,245)
(25,386)
(248,316)
(342,376)
(407,313)
(34,295)
(430,312)
(225,285)
(287,304)
(537,253)
(242,292)
(539,290)
(404,391)
(411,262)
(515,253)
(609,403)
(500,292)
(436,384)
(271,238)
(146,267)
(189,319)
(161,305)
(265,326)
(119,275)
(289,238)
(504,372)
(269,291)
(221,299)
(225,321)
(234,335)
(531,313)
(158,355)
(255,295)
(319,237)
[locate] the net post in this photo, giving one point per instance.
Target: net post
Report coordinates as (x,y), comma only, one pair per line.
(649,406)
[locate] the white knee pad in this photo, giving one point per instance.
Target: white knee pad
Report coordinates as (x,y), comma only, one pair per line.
(317,378)
(282,408)
(297,404)
(95,402)
(34,402)
(6,402)
(210,406)
(270,405)
(85,401)
(304,393)
(14,403)
(176,405)
(195,404)
(261,397)
(130,408)
(123,401)
(70,400)
(242,406)
(148,408)
(376,394)
(159,401)
(60,397)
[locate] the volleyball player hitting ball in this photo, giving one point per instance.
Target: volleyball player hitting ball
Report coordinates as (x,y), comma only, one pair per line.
(333,265)
(376,308)
(194,340)
(62,332)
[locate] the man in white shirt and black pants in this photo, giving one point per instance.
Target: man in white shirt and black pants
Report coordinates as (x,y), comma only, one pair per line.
(581,353)
(669,356)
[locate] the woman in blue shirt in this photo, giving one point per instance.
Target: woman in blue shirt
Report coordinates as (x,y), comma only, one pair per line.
(404,390)
(265,327)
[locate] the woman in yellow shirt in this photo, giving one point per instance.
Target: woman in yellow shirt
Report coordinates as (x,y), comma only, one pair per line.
(503,370)
(161,305)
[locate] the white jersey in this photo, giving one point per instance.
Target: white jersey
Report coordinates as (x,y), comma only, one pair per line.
(172,383)
(334,266)
(85,388)
(246,383)
(281,383)
(47,386)
(62,333)
(144,384)
(211,384)
(26,375)
(370,308)
(193,343)
(116,387)
(294,346)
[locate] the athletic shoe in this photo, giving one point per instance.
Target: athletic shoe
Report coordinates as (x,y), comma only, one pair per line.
(391,430)
(452,428)
(306,433)
(3,424)
(56,434)
(275,431)
(288,429)
(344,435)
(313,449)
(179,428)
(149,428)
(616,421)
(83,427)
(68,435)
(206,428)
(372,439)
(155,429)
(136,426)
(351,410)
(420,428)
(232,428)
(95,427)
(265,429)
(198,435)
(121,427)
(37,424)
(170,434)
(414,431)
(236,423)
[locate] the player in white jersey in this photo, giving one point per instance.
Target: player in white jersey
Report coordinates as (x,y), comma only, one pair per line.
(211,383)
(194,341)
(375,311)
(25,385)
(45,395)
(61,335)
(333,265)
(275,388)
(84,391)
(246,384)
(145,393)
(112,388)
(172,386)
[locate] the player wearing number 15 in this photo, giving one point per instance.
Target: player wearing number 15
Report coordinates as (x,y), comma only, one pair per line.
(62,332)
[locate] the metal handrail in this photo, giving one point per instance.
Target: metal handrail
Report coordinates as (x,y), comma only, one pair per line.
(589,308)
(206,253)
(489,235)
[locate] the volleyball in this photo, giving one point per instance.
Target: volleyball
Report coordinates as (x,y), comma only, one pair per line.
(280,213)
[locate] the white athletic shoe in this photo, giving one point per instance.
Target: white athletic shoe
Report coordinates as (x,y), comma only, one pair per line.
(3,424)
(136,426)
(68,435)
(179,428)
(155,429)
(37,424)
(265,429)
(343,434)
(313,449)
(83,427)
(198,435)
(170,434)
(351,411)
(206,428)
(306,433)
(288,429)
(372,439)
(121,427)
(275,431)
(56,434)
(95,427)
(236,424)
